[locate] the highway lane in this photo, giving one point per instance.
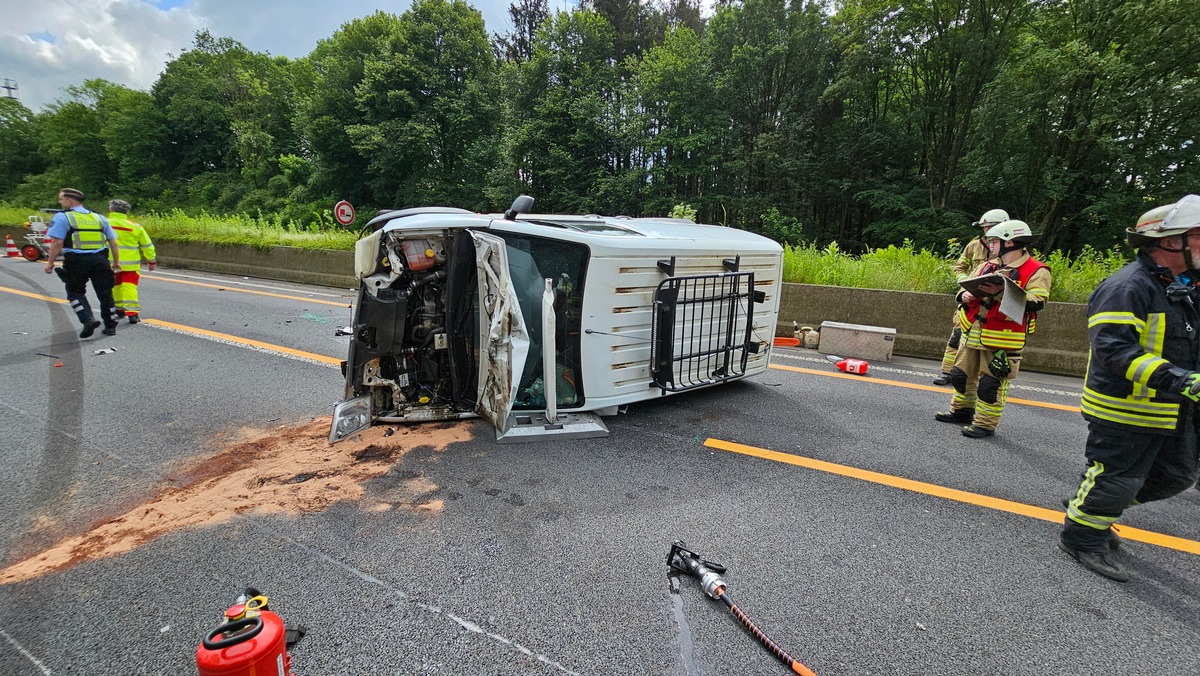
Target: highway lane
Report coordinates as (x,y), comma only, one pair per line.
(474,557)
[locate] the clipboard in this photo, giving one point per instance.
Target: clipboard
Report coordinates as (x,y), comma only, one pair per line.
(1012,298)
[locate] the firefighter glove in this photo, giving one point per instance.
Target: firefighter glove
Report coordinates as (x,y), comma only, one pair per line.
(1000,367)
(1191,387)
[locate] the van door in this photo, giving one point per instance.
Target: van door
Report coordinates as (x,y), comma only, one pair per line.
(503,337)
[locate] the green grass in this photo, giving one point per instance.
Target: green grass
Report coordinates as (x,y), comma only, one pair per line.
(901,268)
(904,268)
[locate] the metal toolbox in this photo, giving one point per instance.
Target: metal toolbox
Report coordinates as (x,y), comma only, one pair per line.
(857,341)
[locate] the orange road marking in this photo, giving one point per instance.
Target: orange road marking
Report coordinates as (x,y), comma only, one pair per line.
(257,293)
(914,386)
(33,295)
(270,347)
(1000,504)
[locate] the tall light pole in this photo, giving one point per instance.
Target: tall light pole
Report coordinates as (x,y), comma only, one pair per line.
(10,88)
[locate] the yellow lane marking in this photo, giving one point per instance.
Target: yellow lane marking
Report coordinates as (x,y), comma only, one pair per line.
(914,386)
(32,295)
(270,347)
(220,287)
(1171,542)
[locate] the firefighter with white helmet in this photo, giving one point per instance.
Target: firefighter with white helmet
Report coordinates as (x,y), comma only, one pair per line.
(1142,384)
(990,351)
(973,253)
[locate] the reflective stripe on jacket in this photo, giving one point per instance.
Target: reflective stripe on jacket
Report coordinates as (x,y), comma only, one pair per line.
(998,332)
(132,241)
(1142,346)
(84,232)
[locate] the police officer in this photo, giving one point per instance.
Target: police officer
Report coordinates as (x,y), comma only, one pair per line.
(1142,385)
(973,254)
(990,354)
(81,236)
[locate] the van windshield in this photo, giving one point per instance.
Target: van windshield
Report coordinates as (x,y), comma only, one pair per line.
(532,260)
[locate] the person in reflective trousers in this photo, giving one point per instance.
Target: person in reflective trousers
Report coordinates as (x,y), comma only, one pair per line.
(81,236)
(135,245)
(990,353)
(974,253)
(1142,385)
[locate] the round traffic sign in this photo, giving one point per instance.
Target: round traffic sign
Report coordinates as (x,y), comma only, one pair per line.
(343,211)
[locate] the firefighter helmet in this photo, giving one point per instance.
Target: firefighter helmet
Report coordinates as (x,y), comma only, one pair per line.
(1014,231)
(1167,220)
(991,217)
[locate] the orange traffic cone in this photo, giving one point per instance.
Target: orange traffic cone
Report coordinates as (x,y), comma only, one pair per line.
(12,248)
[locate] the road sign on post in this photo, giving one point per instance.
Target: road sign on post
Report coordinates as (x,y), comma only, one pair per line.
(343,211)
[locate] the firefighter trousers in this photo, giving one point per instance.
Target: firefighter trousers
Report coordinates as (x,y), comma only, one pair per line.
(1125,467)
(976,387)
(952,346)
(125,292)
(77,271)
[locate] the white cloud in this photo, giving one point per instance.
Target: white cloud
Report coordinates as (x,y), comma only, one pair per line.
(48,45)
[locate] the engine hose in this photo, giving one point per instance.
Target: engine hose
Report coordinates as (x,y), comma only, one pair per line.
(770,645)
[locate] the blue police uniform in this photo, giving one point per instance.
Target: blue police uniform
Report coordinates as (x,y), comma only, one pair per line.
(85,237)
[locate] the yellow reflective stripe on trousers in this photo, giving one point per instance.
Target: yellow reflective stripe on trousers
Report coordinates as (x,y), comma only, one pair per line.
(1117,318)
(1085,487)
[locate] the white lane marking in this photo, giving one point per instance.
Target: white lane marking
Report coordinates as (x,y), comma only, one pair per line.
(244,346)
(36,662)
(925,374)
(465,624)
(348,295)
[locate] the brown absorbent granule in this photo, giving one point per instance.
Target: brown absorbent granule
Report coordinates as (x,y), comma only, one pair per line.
(287,469)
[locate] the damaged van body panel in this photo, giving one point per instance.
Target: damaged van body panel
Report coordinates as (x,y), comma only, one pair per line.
(449,317)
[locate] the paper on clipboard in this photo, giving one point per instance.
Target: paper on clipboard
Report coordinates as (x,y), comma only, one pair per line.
(1012,299)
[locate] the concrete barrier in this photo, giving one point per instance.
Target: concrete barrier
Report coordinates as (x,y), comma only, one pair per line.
(922,320)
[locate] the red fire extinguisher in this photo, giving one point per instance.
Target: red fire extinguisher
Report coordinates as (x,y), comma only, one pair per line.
(250,641)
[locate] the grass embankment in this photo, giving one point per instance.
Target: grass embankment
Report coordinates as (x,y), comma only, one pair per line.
(901,268)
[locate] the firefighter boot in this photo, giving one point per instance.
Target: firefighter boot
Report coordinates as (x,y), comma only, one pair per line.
(976,432)
(1097,562)
(943,379)
(133,317)
(965,415)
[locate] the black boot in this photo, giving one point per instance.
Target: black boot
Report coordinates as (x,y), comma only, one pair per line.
(1097,562)
(943,379)
(960,416)
(977,432)
(89,327)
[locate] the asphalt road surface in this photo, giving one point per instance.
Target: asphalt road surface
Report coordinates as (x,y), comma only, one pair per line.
(144,488)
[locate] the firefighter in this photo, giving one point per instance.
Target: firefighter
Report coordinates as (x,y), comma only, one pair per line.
(135,246)
(973,253)
(990,352)
(1142,385)
(80,236)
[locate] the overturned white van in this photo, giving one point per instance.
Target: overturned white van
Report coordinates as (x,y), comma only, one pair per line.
(462,314)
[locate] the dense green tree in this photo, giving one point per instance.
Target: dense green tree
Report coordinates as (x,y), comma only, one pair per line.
(428,107)
(527,17)
(19,154)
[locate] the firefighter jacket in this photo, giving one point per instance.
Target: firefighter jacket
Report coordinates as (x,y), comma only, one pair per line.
(132,241)
(974,253)
(1143,344)
(982,323)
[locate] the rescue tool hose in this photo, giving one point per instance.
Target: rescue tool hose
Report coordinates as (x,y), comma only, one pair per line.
(708,573)
(770,645)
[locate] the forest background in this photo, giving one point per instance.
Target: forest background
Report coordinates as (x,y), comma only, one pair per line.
(863,122)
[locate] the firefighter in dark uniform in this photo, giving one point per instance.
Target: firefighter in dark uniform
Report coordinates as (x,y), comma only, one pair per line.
(85,240)
(1142,384)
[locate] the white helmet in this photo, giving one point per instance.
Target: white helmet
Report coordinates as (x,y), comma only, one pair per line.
(1012,231)
(991,217)
(1167,220)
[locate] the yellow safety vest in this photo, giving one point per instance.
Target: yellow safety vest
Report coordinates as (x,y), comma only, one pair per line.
(84,232)
(132,241)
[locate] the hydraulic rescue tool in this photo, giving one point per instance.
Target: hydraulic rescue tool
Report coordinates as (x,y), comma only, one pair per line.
(709,573)
(250,641)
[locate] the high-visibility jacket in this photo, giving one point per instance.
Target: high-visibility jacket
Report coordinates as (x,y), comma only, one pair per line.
(84,232)
(132,241)
(996,331)
(1143,345)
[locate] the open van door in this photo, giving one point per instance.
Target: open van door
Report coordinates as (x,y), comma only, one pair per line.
(503,337)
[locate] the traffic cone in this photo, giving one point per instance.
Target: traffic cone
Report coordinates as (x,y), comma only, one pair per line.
(12,248)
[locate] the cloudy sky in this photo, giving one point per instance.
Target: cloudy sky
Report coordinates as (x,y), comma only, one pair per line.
(47,45)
